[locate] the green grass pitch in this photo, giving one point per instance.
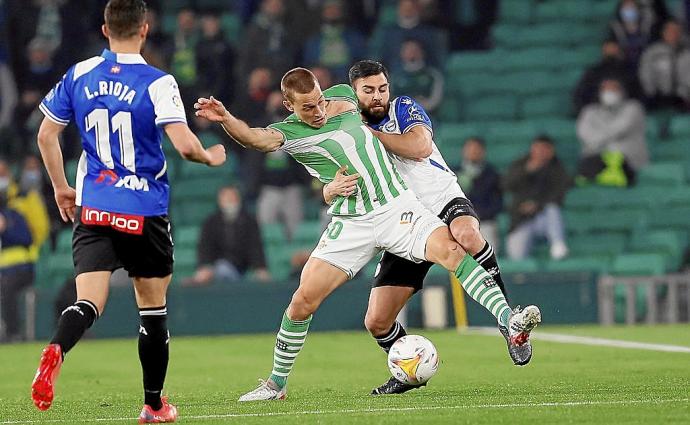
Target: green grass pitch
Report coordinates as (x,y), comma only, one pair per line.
(476,383)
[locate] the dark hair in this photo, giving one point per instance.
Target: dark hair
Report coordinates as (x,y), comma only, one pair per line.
(544,138)
(124,17)
(366,68)
(477,139)
(297,80)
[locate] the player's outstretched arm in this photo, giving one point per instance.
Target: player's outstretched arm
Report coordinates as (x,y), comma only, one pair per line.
(342,185)
(49,145)
(415,144)
(261,139)
(191,149)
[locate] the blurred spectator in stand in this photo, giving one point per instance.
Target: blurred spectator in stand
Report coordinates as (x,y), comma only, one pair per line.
(159,47)
(614,124)
(611,66)
(336,45)
(251,104)
(469,22)
(538,183)
(216,58)
(417,79)
(632,29)
(8,94)
(387,40)
(16,266)
(184,66)
(323,76)
(267,42)
(482,185)
(665,70)
(230,243)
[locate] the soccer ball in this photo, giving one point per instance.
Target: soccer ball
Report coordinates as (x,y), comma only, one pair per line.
(413,359)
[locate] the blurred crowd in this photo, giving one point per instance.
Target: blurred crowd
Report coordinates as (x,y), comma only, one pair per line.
(237,51)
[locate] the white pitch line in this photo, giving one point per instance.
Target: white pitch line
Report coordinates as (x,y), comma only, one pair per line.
(376,410)
(594,341)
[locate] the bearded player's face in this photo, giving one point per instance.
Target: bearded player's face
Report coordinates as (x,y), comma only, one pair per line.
(374,96)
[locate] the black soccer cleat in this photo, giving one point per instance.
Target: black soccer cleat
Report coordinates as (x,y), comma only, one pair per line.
(520,354)
(393,386)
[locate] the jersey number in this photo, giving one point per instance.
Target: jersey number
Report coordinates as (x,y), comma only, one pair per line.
(121,124)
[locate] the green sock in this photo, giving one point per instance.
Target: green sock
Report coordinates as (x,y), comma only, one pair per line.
(479,284)
(289,343)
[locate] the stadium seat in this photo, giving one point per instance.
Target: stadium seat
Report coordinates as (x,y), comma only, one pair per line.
(64,241)
(547,105)
(639,264)
(578,264)
(192,213)
(605,245)
(554,11)
(662,174)
(186,236)
(452,135)
(510,132)
(459,64)
(528,265)
(232,27)
(491,108)
(670,243)
(192,189)
(677,196)
(680,126)
(185,261)
(308,231)
(675,217)
(449,111)
(515,11)
(671,150)
(273,234)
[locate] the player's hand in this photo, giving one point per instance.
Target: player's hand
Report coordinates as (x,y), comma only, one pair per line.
(66,200)
(212,109)
(343,184)
(217,154)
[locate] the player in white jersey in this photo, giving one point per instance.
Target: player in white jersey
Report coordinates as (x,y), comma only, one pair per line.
(406,131)
(325,133)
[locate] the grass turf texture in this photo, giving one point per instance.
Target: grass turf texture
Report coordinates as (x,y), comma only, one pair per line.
(476,383)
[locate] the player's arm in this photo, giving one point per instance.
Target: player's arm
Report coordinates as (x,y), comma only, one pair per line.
(191,149)
(261,139)
(342,185)
(49,145)
(414,144)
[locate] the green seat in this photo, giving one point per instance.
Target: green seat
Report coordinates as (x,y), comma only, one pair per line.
(528,265)
(552,11)
(669,242)
(61,264)
(537,58)
(193,189)
(606,245)
(622,221)
(308,232)
(501,156)
(663,174)
(677,196)
(64,241)
(185,261)
(273,234)
(71,171)
(491,108)
(232,27)
(278,259)
(546,105)
(680,126)
(468,62)
(449,111)
(671,150)
(578,264)
(511,132)
(624,198)
(517,11)
(192,213)
(186,236)
(586,198)
(558,128)
(455,134)
(639,265)
(675,217)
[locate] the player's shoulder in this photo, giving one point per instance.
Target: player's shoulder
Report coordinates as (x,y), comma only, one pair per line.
(406,104)
(82,68)
(340,92)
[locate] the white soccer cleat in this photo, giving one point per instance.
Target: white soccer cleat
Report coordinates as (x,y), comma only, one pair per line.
(265,391)
(521,323)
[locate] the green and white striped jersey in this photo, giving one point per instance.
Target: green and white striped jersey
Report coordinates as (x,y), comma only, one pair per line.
(344,140)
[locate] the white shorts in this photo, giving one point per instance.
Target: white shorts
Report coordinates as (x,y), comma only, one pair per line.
(400,227)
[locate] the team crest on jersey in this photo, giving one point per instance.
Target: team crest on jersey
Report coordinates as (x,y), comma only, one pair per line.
(177,101)
(115,69)
(390,126)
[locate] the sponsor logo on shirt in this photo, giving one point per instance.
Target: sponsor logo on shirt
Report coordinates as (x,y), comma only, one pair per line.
(133,224)
(133,183)
(406,217)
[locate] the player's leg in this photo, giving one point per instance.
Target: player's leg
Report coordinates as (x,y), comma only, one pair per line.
(154,341)
(318,280)
(385,303)
(344,248)
(465,230)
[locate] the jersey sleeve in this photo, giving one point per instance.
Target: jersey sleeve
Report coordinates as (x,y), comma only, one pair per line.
(167,102)
(341,92)
(411,114)
(57,105)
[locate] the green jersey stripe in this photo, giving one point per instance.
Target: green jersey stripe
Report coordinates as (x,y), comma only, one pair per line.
(360,143)
(337,150)
(384,168)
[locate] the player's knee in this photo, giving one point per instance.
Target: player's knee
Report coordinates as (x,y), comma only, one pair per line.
(302,306)
(376,325)
(469,237)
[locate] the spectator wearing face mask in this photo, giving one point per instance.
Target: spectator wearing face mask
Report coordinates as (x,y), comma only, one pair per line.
(16,265)
(614,125)
(632,29)
(230,243)
(417,79)
(665,70)
(612,66)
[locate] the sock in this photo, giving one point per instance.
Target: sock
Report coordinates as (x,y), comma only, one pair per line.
(153,352)
(289,343)
(482,288)
(386,341)
(74,321)
(487,259)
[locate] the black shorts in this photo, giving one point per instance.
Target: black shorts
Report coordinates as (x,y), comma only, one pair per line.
(105,241)
(397,271)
